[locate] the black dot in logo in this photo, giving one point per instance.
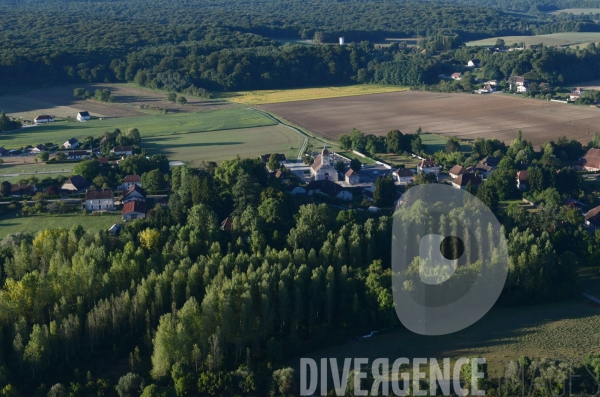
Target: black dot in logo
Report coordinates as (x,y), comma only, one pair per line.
(452,247)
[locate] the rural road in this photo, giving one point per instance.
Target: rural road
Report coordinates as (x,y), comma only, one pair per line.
(305,139)
(34,173)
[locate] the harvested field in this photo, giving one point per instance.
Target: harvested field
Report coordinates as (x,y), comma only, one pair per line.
(577,11)
(60,103)
(463,115)
(553,39)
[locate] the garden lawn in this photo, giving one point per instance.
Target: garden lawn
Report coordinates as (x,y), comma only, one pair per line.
(10,223)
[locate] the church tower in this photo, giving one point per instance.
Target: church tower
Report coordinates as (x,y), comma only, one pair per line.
(325,156)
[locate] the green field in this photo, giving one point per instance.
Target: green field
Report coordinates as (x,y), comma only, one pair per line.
(561,330)
(363,160)
(435,143)
(8,172)
(10,224)
(554,39)
(397,159)
(577,11)
(226,144)
(151,125)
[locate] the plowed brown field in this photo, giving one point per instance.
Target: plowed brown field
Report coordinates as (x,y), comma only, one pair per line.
(463,115)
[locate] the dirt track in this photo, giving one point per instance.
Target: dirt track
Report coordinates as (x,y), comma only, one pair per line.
(463,115)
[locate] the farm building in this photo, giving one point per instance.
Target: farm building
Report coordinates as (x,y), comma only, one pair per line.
(38,149)
(352,177)
(76,183)
(591,160)
(135,193)
(43,119)
(71,143)
(328,188)
(456,171)
(463,179)
(99,200)
(78,154)
(129,181)
(522,179)
(428,167)
(134,210)
(122,150)
(592,218)
(322,168)
(403,176)
(83,116)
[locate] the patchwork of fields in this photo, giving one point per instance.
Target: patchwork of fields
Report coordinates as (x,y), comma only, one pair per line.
(463,115)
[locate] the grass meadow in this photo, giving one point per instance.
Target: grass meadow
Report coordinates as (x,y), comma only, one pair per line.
(435,143)
(554,39)
(11,223)
(150,125)
(193,148)
(304,94)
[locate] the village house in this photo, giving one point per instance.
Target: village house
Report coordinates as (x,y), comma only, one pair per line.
(352,177)
(71,143)
(99,200)
(522,179)
(280,157)
(38,149)
(456,76)
(522,88)
(592,218)
(328,188)
(134,193)
(43,119)
(78,155)
(463,180)
(403,176)
(457,170)
(428,167)
(83,116)
(20,190)
(591,160)
(474,63)
(76,183)
(122,150)
(322,168)
(520,81)
(129,181)
(133,210)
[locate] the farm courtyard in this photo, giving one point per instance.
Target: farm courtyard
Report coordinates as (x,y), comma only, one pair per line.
(463,115)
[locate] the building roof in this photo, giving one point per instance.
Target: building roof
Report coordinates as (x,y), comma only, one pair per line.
(593,216)
(78,181)
(475,60)
(351,172)
(77,153)
(72,141)
(464,179)
(520,79)
(102,160)
(317,164)
(491,161)
(523,176)
(457,170)
(427,163)
(325,186)
(21,189)
(134,188)
(456,74)
(84,114)
(325,152)
(227,224)
(404,173)
(122,149)
(99,194)
(278,174)
(134,206)
(483,167)
(133,179)
(43,117)
(280,157)
(592,158)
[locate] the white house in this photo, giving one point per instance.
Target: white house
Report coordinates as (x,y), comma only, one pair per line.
(456,171)
(71,143)
(403,176)
(43,119)
(522,88)
(428,167)
(322,168)
(134,193)
(574,96)
(352,177)
(83,116)
(78,155)
(122,150)
(129,181)
(99,200)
